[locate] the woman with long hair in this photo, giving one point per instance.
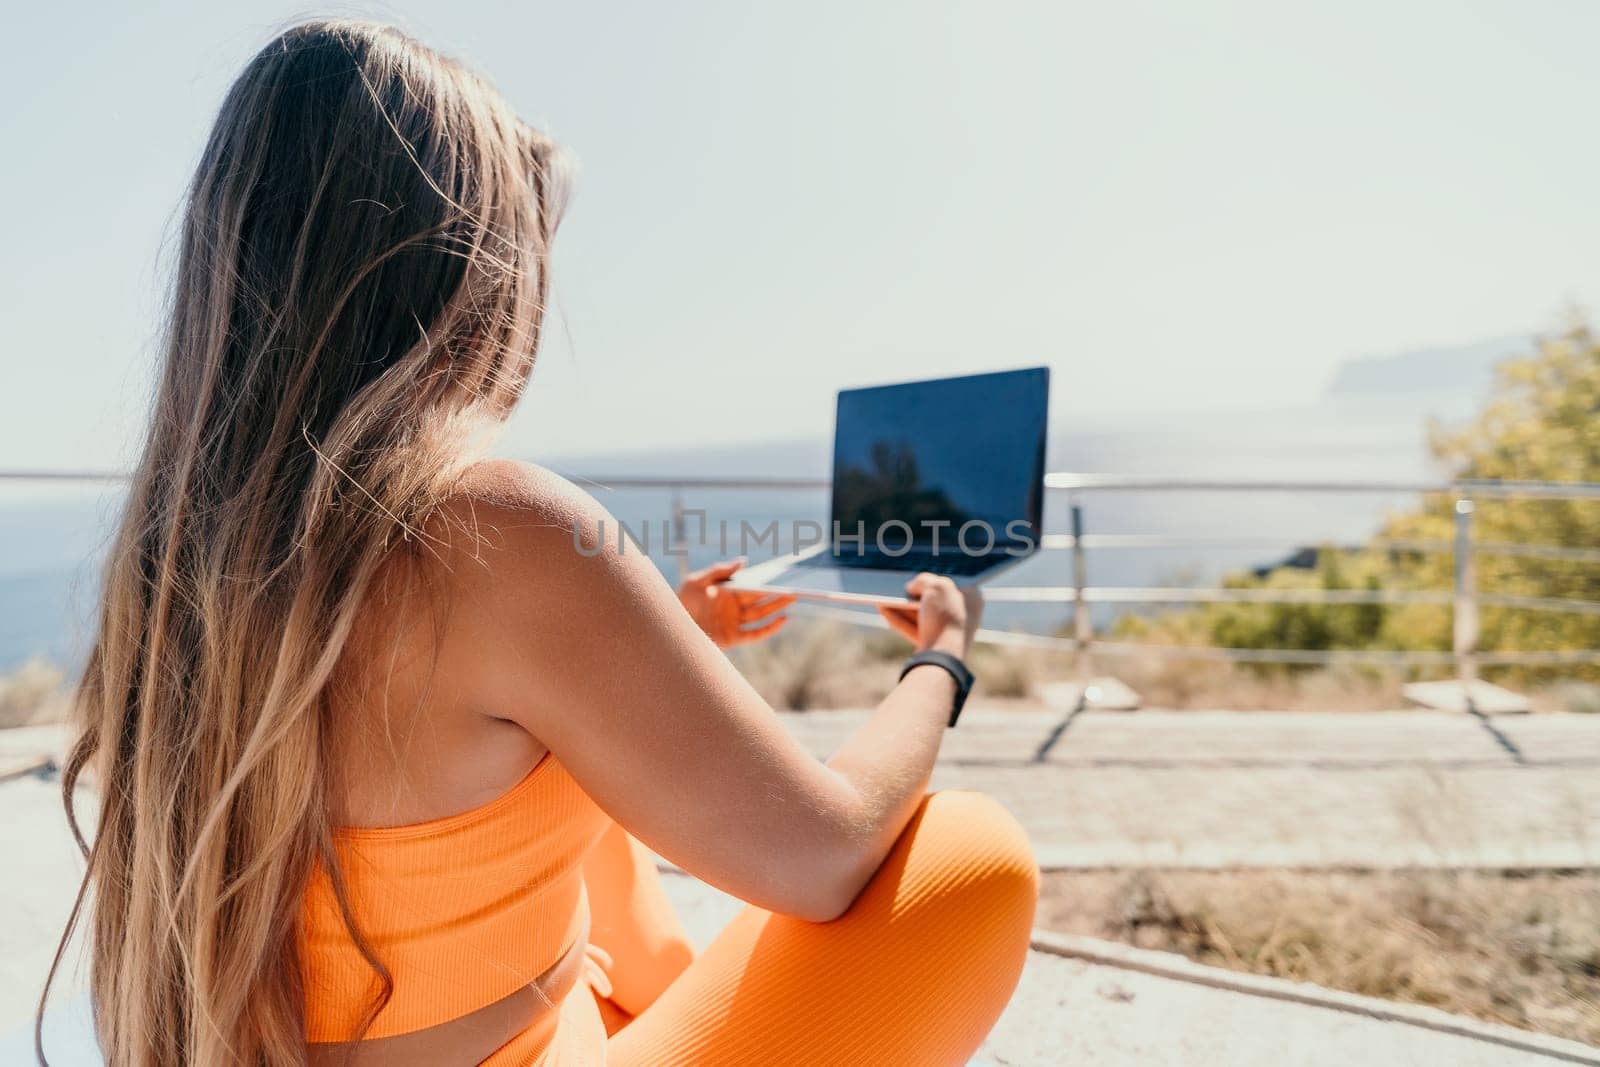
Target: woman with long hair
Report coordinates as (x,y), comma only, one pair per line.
(378,752)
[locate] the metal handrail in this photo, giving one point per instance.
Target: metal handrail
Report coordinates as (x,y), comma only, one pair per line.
(1563,553)
(1061,480)
(1464,598)
(1458,487)
(621,481)
(25,474)
(1284,656)
(1179,594)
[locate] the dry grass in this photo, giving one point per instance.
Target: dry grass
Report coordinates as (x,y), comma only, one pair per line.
(1009,673)
(818,664)
(1517,949)
(31,694)
(1165,682)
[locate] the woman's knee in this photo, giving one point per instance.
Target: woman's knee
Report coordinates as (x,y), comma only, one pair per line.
(975,832)
(963,858)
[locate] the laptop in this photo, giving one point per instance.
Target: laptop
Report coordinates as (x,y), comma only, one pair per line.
(944,476)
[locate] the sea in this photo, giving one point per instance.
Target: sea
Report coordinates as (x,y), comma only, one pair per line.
(53,536)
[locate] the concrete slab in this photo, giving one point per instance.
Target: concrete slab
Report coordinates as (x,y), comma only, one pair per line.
(1074,1010)
(41,875)
(1209,789)
(1550,740)
(1094,694)
(1476,695)
(1089,1002)
(1100,1005)
(47,741)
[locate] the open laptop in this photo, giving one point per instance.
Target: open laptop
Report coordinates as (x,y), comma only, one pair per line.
(944,476)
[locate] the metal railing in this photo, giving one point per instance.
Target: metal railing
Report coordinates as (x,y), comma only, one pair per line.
(1464,598)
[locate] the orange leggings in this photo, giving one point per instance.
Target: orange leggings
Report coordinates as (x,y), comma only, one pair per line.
(915,972)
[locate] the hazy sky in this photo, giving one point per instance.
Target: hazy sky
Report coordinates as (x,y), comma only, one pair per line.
(1175,205)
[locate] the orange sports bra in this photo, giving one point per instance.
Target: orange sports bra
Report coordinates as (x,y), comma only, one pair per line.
(463,910)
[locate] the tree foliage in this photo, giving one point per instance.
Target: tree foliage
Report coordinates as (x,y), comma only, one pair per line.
(1542,424)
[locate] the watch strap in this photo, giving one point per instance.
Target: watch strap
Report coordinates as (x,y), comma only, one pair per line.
(957,670)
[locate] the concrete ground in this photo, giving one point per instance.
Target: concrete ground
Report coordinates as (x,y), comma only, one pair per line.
(1086,1002)
(1267,789)
(1151,788)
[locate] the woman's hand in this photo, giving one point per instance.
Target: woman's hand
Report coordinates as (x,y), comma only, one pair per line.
(944,618)
(724,613)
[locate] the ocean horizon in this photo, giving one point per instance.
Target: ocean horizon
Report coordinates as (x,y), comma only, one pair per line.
(53,536)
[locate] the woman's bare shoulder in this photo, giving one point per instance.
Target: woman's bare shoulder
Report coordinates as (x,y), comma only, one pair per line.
(519,518)
(530,595)
(517,490)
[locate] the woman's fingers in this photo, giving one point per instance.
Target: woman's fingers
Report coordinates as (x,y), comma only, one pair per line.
(902,621)
(717,572)
(753,608)
(756,633)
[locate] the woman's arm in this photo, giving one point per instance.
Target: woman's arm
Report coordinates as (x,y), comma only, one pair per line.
(598,660)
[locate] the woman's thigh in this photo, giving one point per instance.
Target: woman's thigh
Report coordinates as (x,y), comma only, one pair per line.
(915,972)
(632,920)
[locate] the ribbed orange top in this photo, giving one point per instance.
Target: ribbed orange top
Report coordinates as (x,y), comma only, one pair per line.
(463,910)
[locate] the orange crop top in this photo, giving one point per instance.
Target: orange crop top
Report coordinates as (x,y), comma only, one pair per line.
(462,910)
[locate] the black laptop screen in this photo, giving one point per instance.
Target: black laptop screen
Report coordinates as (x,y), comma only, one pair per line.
(947,451)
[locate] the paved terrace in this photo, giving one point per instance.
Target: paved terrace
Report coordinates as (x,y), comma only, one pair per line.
(1156,788)
(1266,789)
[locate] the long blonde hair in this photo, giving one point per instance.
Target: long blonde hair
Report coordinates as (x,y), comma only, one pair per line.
(360,285)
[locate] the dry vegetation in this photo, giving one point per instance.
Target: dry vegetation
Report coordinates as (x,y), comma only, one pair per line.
(817,664)
(1521,950)
(1166,682)
(32,694)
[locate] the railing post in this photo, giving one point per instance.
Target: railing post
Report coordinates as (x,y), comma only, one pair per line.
(680,538)
(1465,609)
(1082,627)
(1089,692)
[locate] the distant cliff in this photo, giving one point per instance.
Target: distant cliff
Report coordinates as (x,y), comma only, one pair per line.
(1450,382)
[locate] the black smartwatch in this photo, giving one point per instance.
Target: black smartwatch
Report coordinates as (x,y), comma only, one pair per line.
(957,669)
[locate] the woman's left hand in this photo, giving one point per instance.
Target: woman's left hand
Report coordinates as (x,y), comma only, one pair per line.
(728,615)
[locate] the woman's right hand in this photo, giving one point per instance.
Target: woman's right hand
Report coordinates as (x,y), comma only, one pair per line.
(944,618)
